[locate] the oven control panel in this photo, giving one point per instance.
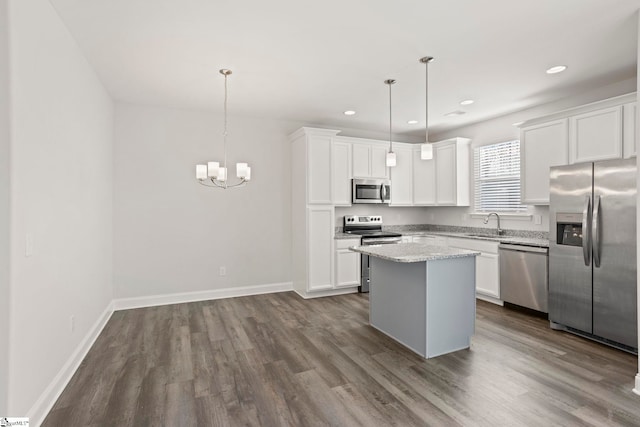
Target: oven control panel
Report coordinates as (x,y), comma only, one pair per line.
(361,220)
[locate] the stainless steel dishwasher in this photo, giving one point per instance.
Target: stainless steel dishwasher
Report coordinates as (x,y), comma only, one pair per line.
(524,276)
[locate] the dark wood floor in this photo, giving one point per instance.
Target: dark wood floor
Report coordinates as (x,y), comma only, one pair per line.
(277,359)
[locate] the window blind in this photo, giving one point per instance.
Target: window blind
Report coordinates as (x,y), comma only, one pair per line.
(497,178)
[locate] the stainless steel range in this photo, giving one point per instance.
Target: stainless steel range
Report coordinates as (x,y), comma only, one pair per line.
(370,228)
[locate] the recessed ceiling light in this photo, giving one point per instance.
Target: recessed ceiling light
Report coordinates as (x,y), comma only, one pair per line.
(556,69)
(455,113)
(467,102)
(349,113)
(412,122)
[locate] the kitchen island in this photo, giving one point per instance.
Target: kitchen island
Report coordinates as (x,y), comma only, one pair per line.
(422,296)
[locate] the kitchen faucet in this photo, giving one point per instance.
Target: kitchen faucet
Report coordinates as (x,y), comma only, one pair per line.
(486,220)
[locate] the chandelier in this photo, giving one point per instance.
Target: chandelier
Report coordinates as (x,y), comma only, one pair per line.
(214,175)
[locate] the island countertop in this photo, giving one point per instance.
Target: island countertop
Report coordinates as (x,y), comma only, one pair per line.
(412,252)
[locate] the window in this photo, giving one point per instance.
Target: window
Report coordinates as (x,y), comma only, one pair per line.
(497,178)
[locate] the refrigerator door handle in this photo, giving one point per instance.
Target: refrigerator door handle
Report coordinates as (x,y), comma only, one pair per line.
(586,231)
(596,232)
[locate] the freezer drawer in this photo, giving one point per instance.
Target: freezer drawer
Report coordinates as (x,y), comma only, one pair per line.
(524,272)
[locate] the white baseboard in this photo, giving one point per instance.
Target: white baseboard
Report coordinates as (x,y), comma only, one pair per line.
(636,389)
(329,293)
(179,298)
(48,398)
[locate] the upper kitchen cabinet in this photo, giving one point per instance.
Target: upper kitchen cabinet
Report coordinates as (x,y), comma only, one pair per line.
(369,160)
(424,180)
(596,135)
(598,131)
(452,172)
(541,146)
(341,174)
(629,130)
(312,151)
(402,176)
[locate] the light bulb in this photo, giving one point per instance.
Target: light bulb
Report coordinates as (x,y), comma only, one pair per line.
(241,170)
(391,159)
(201,172)
(222,174)
(212,169)
(426,152)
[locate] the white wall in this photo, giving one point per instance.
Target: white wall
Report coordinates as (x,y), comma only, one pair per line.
(4,208)
(171,234)
(61,194)
(502,129)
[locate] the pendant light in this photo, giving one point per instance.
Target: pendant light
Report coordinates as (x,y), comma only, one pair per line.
(426,149)
(214,175)
(391,156)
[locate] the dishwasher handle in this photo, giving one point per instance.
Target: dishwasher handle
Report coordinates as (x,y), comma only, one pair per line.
(523,248)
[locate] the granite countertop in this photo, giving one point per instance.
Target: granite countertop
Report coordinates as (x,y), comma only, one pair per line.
(512,240)
(412,252)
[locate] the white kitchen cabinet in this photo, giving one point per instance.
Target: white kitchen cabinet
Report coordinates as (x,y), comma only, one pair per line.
(487,264)
(341,154)
(452,172)
(596,135)
(379,167)
(402,176)
(347,264)
(314,149)
(424,180)
(369,160)
(541,146)
(320,230)
(629,130)
(361,160)
(312,213)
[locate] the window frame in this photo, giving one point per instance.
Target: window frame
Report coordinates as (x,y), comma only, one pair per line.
(519,211)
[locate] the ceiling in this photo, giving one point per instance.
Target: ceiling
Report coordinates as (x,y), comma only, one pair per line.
(309,61)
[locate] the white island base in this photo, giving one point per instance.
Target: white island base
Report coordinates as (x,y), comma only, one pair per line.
(428,306)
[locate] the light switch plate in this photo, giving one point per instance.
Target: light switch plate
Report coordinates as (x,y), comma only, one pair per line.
(537,219)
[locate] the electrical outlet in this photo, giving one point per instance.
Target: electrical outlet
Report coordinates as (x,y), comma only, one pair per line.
(537,219)
(223,271)
(73,323)
(464,217)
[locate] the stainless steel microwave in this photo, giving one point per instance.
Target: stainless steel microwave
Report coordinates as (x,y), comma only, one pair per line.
(371,191)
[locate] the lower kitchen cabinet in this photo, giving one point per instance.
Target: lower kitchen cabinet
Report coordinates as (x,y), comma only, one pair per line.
(320,243)
(487,264)
(347,264)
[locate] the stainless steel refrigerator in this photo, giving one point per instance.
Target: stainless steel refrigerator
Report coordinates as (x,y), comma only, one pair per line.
(592,251)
